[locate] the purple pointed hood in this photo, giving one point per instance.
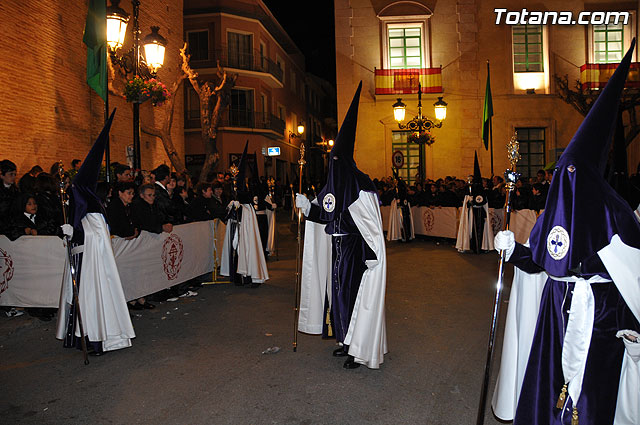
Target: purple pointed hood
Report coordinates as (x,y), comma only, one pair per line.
(344,180)
(583,212)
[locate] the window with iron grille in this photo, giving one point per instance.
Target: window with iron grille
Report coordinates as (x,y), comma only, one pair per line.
(608,43)
(528,55)
(198,42)
(241,108)
(405,47)
(240,49)
(411,154)
(532,150)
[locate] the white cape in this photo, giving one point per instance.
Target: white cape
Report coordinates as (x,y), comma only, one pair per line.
(463,242)
(396,223)
(103,306)
(251,260)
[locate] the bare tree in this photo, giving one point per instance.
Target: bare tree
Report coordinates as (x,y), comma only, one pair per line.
(163,133)
(213,100)
(583,99)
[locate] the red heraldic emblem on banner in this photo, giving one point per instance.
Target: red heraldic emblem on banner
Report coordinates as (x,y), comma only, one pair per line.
(428,219)
(6,270)
(172,253)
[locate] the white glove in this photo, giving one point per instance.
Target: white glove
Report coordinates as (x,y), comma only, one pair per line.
(67,230)
(236,204)
(230,205)
(302,202)
(505,241)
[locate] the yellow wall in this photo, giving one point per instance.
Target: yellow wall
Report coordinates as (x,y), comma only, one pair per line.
(463,37)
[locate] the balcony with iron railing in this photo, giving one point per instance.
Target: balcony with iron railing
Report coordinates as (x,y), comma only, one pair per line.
(253,63)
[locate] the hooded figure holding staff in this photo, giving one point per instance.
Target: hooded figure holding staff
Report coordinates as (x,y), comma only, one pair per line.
(583,365)
(344,232)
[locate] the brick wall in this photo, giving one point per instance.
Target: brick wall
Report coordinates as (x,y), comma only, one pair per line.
(47,111)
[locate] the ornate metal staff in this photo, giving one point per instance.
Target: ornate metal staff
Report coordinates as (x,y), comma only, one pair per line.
(296,309)
(510,177)
(75,310)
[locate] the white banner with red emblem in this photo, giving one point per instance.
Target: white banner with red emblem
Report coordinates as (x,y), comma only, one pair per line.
(31,267)
(443,221)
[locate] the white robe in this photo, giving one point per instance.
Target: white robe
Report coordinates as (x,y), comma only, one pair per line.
(396,223)
(465,228)
(366,336)
(103,306)
(623,265)
(315,279)
(251,260)
(230,243)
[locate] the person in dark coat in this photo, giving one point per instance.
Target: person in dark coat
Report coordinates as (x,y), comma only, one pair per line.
(538,197)
(27,220)
(163,199)
(119,211)
(8,193)
(46,192)
(199,207)
(218,204)
(145,213)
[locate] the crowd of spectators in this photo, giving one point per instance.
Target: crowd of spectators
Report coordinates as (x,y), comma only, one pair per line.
(530,193)
(153,201)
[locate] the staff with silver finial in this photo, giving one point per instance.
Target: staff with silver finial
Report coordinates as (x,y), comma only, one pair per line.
(74,312)
(296,309)
(510,177)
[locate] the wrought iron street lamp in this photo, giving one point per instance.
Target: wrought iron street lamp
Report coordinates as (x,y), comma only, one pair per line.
(420,125)
(300,132)
(129,62)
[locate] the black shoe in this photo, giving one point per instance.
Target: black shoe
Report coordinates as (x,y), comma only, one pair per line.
(350,363)
(339,352)
(255,285)
(148,306)
(99,353)
(136,306)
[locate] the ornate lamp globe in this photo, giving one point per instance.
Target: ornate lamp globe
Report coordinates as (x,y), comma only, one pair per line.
(117,20)
(154,46)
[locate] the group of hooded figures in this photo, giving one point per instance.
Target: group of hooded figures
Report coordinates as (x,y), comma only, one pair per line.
(572,344)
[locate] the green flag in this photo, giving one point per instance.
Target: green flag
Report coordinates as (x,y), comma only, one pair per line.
(487,112)
(95,37)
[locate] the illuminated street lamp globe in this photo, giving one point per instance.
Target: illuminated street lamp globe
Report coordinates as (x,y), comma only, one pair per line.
(117,20)
(399,110)
(440,109)
(300,128)
(154,46)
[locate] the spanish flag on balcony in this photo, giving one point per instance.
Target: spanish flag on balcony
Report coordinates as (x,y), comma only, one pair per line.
(596,75)
(405,81)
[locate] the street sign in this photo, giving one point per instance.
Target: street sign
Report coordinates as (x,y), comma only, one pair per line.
(397,159)
(273,151)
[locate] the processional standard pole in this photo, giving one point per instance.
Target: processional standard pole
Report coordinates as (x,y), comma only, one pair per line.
(296,309)
(74,276)
(510,177)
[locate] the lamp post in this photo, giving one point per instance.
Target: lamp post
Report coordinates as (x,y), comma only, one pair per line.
(420,125)
(129,62)
(300,129)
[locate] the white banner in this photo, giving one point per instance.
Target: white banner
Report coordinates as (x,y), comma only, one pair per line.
(31,267)
(443,221)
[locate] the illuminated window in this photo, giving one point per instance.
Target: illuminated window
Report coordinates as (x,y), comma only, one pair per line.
(608,43)
(405,47)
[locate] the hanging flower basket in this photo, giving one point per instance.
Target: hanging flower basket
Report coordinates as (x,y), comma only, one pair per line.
(138,90)
(423,137)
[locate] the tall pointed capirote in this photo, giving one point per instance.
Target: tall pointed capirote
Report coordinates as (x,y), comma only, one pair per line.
(83,186)
(583,212)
